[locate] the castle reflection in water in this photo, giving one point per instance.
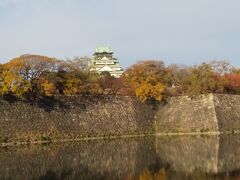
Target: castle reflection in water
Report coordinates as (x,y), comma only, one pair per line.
(167,157)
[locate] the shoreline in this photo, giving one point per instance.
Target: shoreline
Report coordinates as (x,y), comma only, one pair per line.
(212,133)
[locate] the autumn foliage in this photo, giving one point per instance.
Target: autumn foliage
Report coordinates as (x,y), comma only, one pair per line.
(148,79)
(233,83)
(154,80)
(34,75)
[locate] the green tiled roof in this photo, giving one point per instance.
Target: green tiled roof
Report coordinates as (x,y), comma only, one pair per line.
(102,49)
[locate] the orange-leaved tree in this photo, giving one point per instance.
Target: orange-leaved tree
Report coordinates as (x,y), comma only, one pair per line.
(233,83)
(149,79)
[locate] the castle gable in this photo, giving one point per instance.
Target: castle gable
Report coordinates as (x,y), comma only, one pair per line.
(106,68)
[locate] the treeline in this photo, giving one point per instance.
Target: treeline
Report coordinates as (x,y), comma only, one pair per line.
(34,75)
(154,80)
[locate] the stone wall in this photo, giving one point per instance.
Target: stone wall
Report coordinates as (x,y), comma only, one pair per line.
(227,108)
(185,114)
(91,116)
(204,113)
(73,117)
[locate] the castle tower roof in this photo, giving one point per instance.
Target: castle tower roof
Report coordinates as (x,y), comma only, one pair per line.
(103,49)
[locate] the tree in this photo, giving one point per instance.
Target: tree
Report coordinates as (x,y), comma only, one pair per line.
(148,79)
(30,68)
(233,83)
(80,62)
(144,70)
(177,77)
(202,79)
(148,91)
(110,84)
(49,88)
(116,84)
(79,82)
(13,84)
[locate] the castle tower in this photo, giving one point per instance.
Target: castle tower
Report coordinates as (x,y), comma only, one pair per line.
(103,60)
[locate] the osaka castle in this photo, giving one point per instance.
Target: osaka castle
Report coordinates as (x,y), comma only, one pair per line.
(103,60)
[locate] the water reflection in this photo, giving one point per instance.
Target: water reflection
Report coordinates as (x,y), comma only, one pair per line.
(185,157)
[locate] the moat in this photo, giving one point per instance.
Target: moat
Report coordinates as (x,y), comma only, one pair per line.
(156,157)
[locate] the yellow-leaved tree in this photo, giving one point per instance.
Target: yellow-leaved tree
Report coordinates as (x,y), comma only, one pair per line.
(148,79)
(22,74)
(146,91)
(12,83)
(49,88)
(73,86)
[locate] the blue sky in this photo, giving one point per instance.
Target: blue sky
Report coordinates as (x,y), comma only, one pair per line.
(176,31)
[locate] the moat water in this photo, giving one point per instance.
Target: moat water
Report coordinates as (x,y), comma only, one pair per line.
(175,157)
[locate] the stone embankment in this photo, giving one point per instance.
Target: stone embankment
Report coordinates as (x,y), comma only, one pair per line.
(75,117)
(206,113)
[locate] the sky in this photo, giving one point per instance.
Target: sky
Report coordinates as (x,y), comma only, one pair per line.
(175,31)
